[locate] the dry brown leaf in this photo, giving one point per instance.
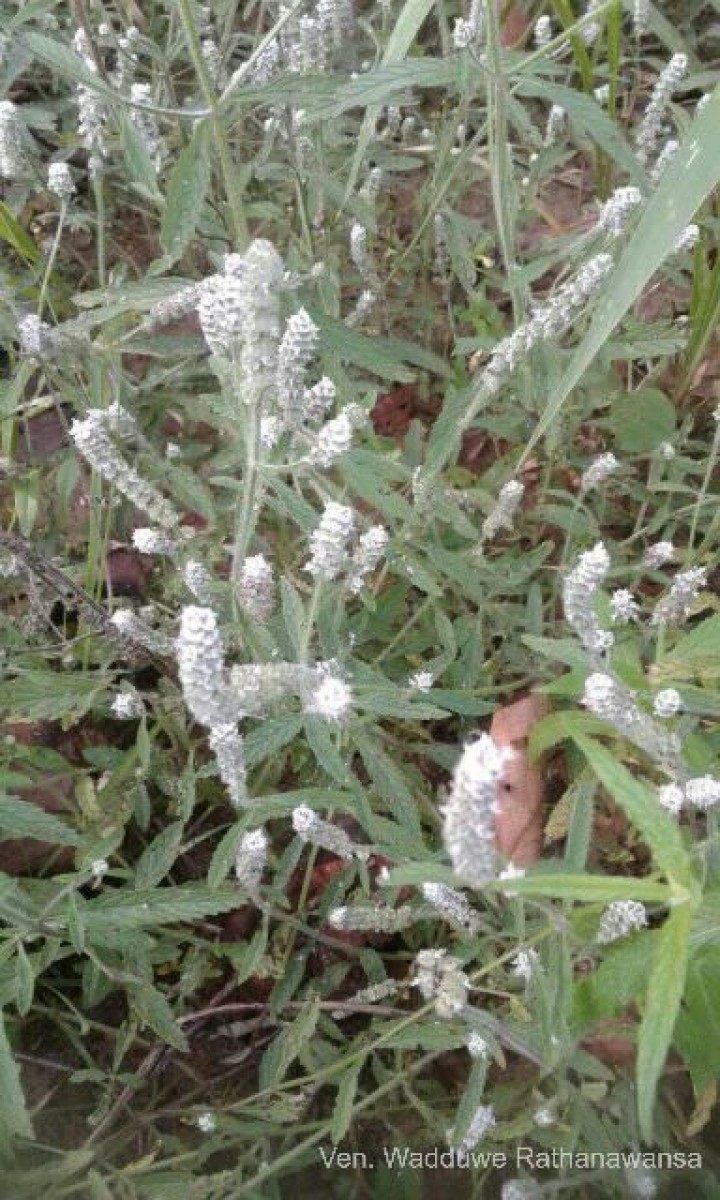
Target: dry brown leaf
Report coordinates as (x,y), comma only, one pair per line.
(518,824)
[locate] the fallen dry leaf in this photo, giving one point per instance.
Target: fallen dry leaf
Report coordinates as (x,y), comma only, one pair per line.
(518,824)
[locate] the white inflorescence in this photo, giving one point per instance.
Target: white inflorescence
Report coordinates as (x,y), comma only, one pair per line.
(619,919)
(201,666)
(525,964)
(171,308)
(687,240)
(667,703)
(332,440)
(623,607)
(312,828)
(659,555)
(477,1046)
(35,335)
(674,608)
(421,681)
(239,313)
(92,438)
(92,111)
(612,702)
(153,541)
(127,706)
(371,547)
(12,155)
(671,797)
(542,32)
(227,746)
(506,506)
(297,347)
(616,210)
(469,814)
(440,977)
(452,906)
(318,399)
(652,122)
(548,322)
(580,587)
(600,469)
(60,181)
(256,587)
(130,626)
(250,860)
(482,1121)
(328,542)
(468,31)
(377,920)
(664,159)
(557,118)
(198,580)
(146,125)
(703,792)
(332,700)
(368,995)
(520,1189)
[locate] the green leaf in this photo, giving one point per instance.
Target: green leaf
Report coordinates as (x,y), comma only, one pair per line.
(702,643)
(186,191)
(697,1035)
(283,1051)
(344,1101)
(123,910)
(139,164)
(51,696)
(662,1004)
(596,889)
(21,819)
(12,232)
(689,179)
(25,979)
(157,858)
(642,420)
(14,1117)
(154,1010)
(638,801)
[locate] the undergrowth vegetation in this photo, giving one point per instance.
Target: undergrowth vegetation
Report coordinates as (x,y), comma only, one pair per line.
(359,599)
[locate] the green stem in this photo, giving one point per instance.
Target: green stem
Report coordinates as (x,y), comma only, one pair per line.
(51,260)
(250,502)
(240,233)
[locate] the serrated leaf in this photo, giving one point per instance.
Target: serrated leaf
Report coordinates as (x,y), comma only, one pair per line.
(14,1117)
(697,1035)
(123,910)
(283,1051)
(25,979)
(51,696)
(21,819)
(657,828)
(662,1004)
(344,1101)
(157,858)
(12,232)
(186,191)
(154,1010)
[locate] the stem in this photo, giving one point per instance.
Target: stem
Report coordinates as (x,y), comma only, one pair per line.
(500,175)
(712,460)
(51,260)
(249,504)
(240,233)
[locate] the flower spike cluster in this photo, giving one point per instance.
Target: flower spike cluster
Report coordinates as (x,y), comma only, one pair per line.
(469,813)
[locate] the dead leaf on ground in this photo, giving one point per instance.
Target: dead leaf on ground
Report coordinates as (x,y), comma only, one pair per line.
(518,823)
